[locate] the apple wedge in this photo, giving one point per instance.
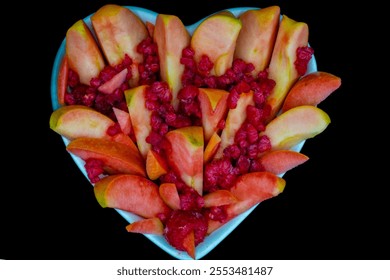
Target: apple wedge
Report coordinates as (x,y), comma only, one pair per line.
(140,116)
(311,89)
(281,161)
(256,40)
(119,31)
(220,48)
(234,120)
(218,198)
(155,165)
(170,195)
(213,105)
(62,81)
(291,35)
(171,37)
(131,193)
(116,157)
(147,226)
(185,155)
(211,147)
(83,53)
(295,125)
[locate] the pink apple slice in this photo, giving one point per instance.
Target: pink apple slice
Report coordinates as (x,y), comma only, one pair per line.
(147,226)
(131,193)
(281,161)
(115,82)
(170,195)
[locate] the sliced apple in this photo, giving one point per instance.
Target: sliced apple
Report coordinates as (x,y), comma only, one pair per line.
(83,53)
(124,120)
(140,116)
(295,125)
(211,147)
(147,226)
(131,193)
(220,48)
(234,120)
(311,89)
(213,105)
(74,121)
(115,82)
(291,35)
(281,161)
(171,37)
(155,165)
(218,198)
(62,81)
(189,244)
(185,155)
(170,195)
(119,31)
(116,157)
(256,40)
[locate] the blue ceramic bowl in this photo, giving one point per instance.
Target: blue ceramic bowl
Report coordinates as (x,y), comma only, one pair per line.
(217,236)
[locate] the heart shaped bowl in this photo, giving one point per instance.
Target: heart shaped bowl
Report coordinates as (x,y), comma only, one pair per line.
(212,240)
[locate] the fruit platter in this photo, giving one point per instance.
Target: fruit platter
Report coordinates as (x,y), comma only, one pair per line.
(184,130)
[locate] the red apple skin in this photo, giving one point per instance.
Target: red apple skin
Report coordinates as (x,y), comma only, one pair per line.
(83,53)
(213,105)
(291,35)
(220,49)
(140,117)
(256,40)
(132,193)
(171,37)
(295,125)
(116,157)
(62,80)
(311,89)
(185,155)
(119,31)
(281,161)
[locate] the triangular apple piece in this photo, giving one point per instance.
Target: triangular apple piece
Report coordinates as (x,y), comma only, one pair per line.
(115,82)
(211,147)
(169,194)
(124,120)
(147,226)
(218,198)
(155,165)
(213,105)
(189,244)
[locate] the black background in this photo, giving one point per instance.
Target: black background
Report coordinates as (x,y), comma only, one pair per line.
(335,206)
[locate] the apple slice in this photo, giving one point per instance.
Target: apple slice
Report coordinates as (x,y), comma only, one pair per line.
(291,35)
(311,89)
(62,80)
(74,121)
(189,244)
(212,147)
(83,53)
(234,120)
(185,155)
(115,82)
(213,105)
(116,157)
(171,37)
(295,125)
(119,31)
(124,120)
(218,198)
(155,165)
(281,161)
(147,226)
(220,48)
(140,116)
(169,194)
(256,40)
(131,193)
